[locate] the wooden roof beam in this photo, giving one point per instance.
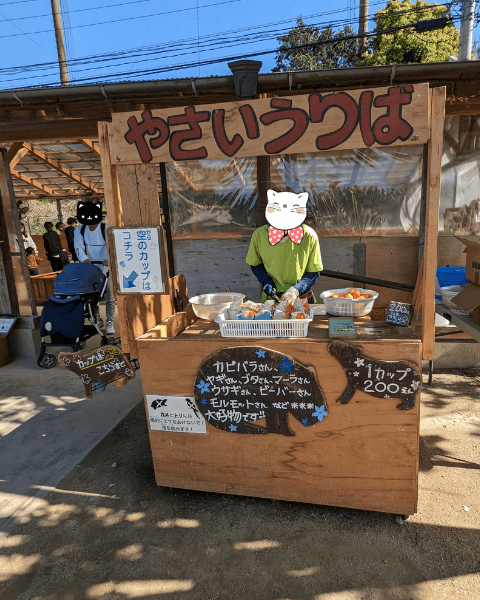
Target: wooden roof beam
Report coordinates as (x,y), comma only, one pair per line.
(90,145)
(16,153)
(60,168)
(45,189)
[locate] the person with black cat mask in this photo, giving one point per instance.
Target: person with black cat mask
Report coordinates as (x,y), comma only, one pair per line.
(90,246)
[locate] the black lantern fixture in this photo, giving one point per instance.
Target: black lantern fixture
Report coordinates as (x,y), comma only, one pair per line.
(245,76)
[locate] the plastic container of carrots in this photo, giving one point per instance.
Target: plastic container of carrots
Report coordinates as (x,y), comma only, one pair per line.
(349,302)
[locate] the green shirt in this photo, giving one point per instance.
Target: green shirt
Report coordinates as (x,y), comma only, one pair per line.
(285,262)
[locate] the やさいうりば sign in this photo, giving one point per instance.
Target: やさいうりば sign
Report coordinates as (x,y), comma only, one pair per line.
(397,115)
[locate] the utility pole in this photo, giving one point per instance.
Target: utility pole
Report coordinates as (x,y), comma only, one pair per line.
(62,58)
(363,24)
(466,30)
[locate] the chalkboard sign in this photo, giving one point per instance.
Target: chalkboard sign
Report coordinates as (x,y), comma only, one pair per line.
(247,389)
(102,366)
(380,378)
(399,313)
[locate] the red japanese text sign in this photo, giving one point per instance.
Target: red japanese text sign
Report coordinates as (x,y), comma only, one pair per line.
(310,123)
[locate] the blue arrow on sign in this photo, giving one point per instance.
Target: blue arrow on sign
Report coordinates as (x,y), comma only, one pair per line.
(128,281)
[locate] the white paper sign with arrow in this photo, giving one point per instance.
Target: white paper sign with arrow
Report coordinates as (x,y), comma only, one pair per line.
(138,260)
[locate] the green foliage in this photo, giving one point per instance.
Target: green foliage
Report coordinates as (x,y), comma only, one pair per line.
(326,56)
(407,45)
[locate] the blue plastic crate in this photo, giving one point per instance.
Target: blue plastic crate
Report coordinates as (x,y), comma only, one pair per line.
(451,276)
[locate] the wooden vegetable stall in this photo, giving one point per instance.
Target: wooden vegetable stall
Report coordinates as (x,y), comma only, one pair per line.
(310,419)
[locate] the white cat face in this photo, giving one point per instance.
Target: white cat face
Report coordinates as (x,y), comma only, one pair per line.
(286,210)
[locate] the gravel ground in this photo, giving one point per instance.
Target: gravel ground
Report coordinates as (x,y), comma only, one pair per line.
(109,532)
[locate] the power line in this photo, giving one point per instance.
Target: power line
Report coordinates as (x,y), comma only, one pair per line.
(177,67)
(120,20)
(180,49)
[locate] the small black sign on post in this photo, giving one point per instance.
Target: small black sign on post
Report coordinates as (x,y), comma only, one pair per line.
(399,313)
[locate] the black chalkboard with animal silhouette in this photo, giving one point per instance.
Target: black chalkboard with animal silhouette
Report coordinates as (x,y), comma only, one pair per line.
(383,379)
(102,366)
(247,389)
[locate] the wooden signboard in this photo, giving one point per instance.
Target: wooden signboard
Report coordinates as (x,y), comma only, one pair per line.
(138,260)
(397,115)
(102,366)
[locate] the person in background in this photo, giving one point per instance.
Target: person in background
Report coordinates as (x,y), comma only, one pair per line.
(70,235)
(60,227)
(53,247)
(27,240)
(32,261)
(91,246)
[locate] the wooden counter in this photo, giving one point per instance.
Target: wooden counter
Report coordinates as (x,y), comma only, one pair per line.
(364,454)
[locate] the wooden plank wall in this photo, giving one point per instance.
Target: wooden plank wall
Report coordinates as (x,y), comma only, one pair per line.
(210,265)
(364,455)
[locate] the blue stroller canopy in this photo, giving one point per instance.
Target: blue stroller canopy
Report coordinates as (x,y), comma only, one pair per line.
(79,278)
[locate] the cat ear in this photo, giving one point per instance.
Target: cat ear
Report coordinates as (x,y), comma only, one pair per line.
(99,204)
(271,195)
(80,204)
(303,198)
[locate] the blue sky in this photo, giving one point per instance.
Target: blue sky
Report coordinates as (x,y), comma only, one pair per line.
(146,39)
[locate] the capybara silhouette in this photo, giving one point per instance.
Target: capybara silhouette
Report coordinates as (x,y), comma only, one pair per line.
(235,387)
(383,379)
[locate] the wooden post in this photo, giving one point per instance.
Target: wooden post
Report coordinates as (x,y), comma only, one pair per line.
(109,174)
(139,204)
(263,179)
(434,168)
(17,277)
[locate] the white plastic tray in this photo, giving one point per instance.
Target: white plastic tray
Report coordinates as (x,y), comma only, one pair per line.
(259,328)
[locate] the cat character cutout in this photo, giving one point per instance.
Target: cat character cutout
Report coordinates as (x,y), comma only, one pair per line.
(285,254)
(246,389)
(89,213)
(383,379)
(285,213)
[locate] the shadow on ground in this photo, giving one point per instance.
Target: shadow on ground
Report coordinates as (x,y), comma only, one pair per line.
(110,532)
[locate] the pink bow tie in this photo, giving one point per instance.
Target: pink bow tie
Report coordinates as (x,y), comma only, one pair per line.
(275,235)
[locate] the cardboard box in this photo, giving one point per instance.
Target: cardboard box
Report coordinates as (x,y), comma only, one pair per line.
(469,301)
(472,250)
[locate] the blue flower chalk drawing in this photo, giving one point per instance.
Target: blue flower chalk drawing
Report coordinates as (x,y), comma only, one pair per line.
(305,422)
(320,412)
(203,401)
(233,428)
(286,365)
(260,353)
(203,387)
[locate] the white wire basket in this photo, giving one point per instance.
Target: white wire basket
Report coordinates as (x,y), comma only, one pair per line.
(348,307)
(259,328)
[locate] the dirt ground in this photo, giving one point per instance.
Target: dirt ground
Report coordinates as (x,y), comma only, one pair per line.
(109,532)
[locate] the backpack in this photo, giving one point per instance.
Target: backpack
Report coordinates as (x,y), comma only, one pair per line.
(82,231)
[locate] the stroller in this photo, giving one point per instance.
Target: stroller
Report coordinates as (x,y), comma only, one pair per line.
(76,294)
